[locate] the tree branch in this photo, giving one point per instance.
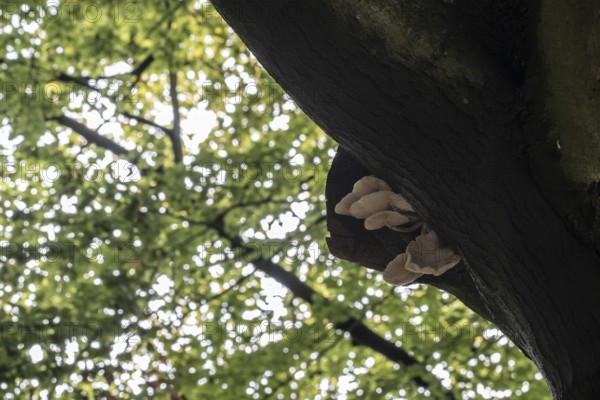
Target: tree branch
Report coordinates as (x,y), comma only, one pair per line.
(145,121)
(90,135)
(442,121)
(85,82)
(174,134)
(141,68)
(174,137)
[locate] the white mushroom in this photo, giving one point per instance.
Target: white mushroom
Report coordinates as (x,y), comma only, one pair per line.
(343,207)
(373,200)
(417,223)
(362,187)
(399,203)
(396,273)
(371,204)
(427,256)
(385,218)
(369,184)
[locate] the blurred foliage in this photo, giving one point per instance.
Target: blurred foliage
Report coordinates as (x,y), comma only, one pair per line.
(137,276)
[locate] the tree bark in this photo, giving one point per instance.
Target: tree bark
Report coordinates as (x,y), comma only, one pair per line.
(458,105)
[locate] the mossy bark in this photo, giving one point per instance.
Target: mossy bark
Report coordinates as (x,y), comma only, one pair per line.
(563,88)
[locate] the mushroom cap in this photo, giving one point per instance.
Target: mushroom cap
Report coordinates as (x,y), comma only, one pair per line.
(343,207)
(396,273)
(427,256)
(373,200)
(385,218)
(399,203)
(369,184)
(370,204)
(415,224)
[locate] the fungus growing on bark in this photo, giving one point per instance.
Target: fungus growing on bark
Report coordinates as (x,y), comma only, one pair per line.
(386,218)
(373,200)
(427,256)
(396,273)
(371,203)
(362,187)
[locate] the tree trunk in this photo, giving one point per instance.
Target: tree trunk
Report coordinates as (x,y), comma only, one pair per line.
(485,116)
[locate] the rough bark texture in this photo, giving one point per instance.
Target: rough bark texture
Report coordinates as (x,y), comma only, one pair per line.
(458,105)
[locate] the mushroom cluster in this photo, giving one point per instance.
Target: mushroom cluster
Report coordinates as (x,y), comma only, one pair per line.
(373,200)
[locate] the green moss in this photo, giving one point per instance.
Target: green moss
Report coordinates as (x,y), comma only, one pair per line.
(566,34)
